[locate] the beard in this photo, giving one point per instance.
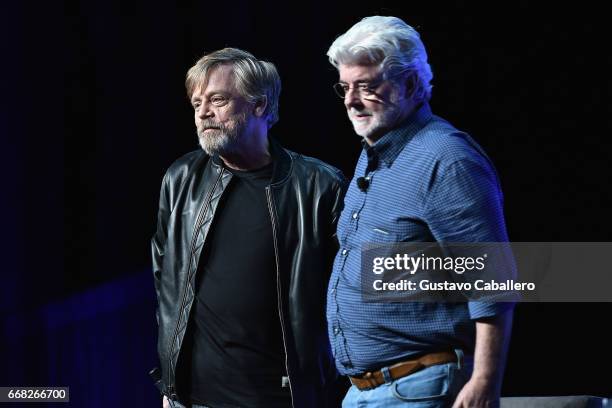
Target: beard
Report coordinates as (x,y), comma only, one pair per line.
(218,138)
(378,122)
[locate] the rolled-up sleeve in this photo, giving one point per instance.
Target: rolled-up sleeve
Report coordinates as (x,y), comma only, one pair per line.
(465,205)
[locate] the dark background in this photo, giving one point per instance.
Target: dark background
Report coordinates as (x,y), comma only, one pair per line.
(94,111)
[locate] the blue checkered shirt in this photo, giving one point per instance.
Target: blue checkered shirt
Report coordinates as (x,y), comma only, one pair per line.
(428,182)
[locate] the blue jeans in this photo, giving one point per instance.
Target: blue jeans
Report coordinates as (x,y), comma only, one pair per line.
(436,386)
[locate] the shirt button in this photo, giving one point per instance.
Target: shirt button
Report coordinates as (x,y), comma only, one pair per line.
(355,215)
(336,331)
(344,251)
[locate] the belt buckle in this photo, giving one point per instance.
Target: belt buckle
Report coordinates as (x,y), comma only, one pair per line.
(370,379)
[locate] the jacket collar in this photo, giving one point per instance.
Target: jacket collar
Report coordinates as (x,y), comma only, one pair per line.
(282,162)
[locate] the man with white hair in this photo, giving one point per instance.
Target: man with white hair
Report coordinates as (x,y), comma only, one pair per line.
(418,179)
(242,254)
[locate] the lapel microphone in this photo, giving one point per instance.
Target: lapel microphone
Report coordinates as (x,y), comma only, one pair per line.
(363,183)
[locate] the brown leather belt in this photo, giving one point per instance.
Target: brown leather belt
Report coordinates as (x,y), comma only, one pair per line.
(373,379)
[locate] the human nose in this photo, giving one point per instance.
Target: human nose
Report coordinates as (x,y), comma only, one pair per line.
(352,97)
(203,111)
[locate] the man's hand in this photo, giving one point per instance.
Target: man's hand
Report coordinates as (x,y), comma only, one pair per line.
(484,387)
(477,393)
(165,403)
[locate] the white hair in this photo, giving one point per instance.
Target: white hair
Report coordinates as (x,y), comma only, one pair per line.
(389,42)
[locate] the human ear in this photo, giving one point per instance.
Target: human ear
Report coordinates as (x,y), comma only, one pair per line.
(260,106)
(410,85)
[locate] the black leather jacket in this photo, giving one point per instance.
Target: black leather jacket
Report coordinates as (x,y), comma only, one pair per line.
(304,201)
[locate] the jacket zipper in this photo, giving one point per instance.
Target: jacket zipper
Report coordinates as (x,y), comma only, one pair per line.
(205,206)
(278,287)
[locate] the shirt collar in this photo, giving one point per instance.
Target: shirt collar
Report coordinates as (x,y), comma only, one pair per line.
(388,147)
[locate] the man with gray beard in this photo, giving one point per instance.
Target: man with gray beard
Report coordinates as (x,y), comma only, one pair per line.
(242,254)
(418,179)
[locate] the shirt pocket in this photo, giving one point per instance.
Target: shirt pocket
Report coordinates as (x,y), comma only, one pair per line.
(382,235)
(403,230)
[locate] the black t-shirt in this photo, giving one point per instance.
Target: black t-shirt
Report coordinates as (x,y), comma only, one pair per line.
(237,352)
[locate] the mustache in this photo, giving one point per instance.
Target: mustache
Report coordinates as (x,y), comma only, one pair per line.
(210,124)
(354,112)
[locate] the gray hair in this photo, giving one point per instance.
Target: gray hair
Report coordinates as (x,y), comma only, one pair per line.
(389,42)
(255,79)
